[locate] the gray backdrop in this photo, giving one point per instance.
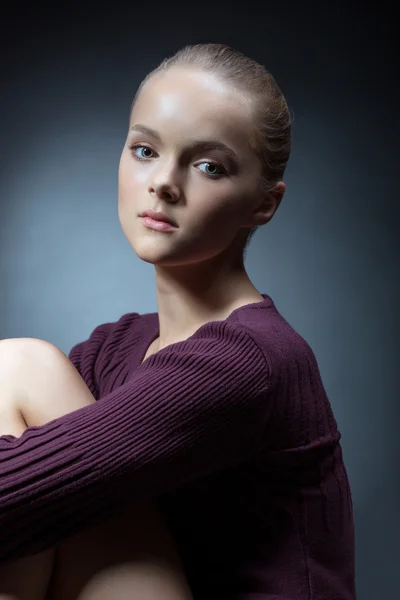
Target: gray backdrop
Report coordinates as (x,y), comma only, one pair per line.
(328,258)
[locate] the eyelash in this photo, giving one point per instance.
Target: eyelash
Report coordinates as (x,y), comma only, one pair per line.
(208,162)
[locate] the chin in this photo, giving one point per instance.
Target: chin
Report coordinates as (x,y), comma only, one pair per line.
(150,251)
(160,249)
(156,257)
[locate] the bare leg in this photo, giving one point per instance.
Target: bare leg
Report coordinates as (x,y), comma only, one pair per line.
(130,556)
(26,578)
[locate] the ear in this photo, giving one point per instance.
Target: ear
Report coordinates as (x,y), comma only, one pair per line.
(267,206)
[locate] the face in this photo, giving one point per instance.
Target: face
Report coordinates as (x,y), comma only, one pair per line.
(188,155)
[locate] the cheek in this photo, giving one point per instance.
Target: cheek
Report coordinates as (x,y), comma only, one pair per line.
(129,182)
(214,217)
(221,207)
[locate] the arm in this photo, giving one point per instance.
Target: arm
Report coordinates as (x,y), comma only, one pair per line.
(86,355)
(193,408)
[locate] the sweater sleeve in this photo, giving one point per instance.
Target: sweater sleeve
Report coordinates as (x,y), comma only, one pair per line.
(191,409)
(88,356)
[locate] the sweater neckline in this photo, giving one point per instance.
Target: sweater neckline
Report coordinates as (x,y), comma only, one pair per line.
(150,325)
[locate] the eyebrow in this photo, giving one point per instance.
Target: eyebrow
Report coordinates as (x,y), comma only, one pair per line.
(203,144)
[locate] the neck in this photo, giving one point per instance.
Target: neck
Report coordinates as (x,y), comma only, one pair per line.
(187,298)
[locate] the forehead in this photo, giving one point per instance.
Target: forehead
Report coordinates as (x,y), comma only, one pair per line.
(188,103)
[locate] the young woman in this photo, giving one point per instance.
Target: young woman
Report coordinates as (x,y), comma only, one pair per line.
(191,452)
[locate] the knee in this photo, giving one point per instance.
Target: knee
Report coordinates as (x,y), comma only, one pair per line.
(21,367)
(43,379)
(13,348)
(13,354)
(20,357)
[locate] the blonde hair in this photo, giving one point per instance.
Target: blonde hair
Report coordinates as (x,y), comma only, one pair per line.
(272,134)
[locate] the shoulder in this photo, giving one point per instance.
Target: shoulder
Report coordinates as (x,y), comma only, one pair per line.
(284,348)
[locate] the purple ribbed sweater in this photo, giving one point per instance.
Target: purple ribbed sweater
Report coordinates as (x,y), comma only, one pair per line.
(233,432)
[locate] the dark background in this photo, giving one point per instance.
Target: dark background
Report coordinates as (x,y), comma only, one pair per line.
(329,258)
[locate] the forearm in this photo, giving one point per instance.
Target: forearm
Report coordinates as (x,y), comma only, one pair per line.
(34,374)
(179,417)
(20,365)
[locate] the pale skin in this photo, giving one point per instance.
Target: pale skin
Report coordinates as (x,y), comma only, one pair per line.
(199,270)
(200,277)
(131,556)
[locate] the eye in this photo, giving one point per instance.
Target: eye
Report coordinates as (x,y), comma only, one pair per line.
(140,146)
(214,169)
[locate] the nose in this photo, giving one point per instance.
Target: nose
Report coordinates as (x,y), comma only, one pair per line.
(165,191)
(164,185)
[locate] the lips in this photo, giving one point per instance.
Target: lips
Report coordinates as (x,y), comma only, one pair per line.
(157,225)
(158,216)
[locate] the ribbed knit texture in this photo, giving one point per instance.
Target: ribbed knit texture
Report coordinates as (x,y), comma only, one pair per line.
(230,429)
